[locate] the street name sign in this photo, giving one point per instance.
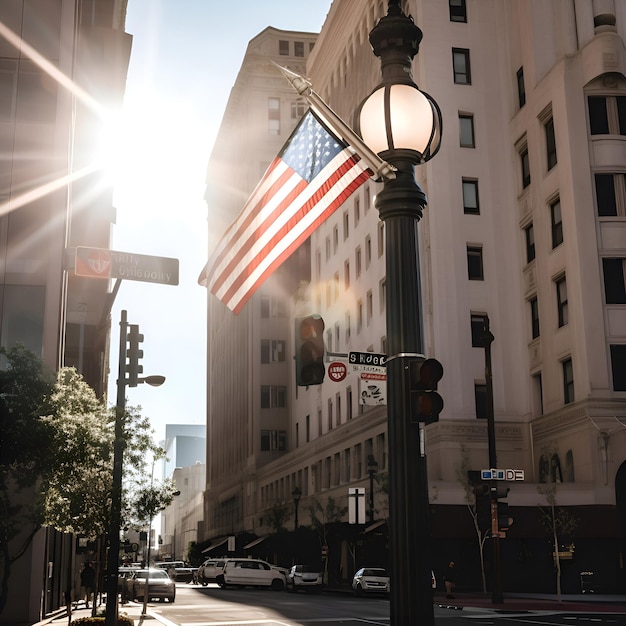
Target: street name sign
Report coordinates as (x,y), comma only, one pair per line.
(101,263)
(502,474)
(367,358)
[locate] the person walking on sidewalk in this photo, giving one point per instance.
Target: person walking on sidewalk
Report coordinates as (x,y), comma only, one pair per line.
(88,582)
(450,580)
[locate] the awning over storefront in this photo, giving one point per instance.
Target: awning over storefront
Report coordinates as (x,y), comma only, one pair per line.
(256,542)
(374,526)
(217,544)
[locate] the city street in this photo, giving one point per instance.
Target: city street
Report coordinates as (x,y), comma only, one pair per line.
(200,606)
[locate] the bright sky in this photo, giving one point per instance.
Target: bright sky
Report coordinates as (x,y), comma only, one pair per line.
(185,58)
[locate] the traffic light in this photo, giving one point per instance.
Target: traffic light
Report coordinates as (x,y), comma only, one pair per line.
(133,368)
(310,368)
(504,519)
(426,403)
(482,493)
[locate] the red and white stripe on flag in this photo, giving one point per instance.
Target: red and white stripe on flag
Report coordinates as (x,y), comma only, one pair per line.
(312,176)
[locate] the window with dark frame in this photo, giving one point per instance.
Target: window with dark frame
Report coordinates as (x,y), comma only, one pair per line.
(607,115)
(298,48)
(550,143)
(461,66)
(534,317)
(610,194)
(477,321)
(568,381)
(470,197)
(475,263)
(561,301)
(283,48)
(466,130)
(618,366)
(614,272)
(556,223)
(529,235)
(298,108)
(525,163)
(458,11)
(521,88)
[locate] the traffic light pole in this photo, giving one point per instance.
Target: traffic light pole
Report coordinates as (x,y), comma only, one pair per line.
(496,593)
(116,490)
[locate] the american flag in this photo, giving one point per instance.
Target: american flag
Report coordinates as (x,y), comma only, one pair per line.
(312,176)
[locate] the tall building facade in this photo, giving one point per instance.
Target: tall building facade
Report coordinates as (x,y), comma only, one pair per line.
(524,228)
(63,64)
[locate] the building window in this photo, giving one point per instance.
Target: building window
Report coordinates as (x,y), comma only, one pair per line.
(475,263)
(338,403)
(327,248)
(610,194)
(525,163)
(359,316)
(381,238)
(368,251)
(346,225)
(273,116)
(521,88)
(607,115)
(283,48)
(534,318)
(529,235)
(357,260)
(461,66)
(329,340)
(561,301)
(273,396)
(298,109)
(550,143)
(466,131)
(297,435)
(480,400)
(370,306)
(273,307)
(349,403)
(274,440)
(357,211)
(382,294)
(347,327)
(307,428)
(470,197)
(478,323)
(346,465)
(337,335)
(618,365)
(614,271)
(458,11)
(556,223)
(346,271)
(330,414)
(298,48)
(568,381)
(272,351)
(335,238)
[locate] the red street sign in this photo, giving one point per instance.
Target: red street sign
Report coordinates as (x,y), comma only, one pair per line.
(337,371)
(101,263)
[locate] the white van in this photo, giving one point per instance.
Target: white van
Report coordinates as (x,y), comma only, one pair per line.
(252,573)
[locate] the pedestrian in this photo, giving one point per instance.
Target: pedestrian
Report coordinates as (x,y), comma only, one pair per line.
(450,580)
(88,581)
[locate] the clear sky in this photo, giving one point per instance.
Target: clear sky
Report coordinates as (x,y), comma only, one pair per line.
(185,58)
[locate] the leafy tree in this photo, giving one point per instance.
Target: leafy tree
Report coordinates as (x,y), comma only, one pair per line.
(278,515)
(321,517)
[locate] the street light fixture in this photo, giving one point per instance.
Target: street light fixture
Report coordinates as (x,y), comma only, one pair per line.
(372,470)
(296,495)
(404,125)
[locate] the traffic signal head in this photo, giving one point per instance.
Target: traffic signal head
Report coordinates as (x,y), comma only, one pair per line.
(504,519)
(134,354)
(482,493)
(426,403)
(310,368)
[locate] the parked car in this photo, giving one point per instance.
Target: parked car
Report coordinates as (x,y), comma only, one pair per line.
(370,580)
(160,585)
(252,573)
(208,571)
(306,577)
(123,574)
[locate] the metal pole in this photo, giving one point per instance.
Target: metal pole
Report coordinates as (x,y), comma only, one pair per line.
(371,497)
(400,206)
(496,593)
(146,587)
(116,490)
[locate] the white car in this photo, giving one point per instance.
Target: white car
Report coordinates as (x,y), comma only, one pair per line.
(209,570)
(160,585)
(306,577)
(252,573)
(370,580)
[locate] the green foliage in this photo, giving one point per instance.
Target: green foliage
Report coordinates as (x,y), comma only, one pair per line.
(122,620)
(321,516)
(278,515)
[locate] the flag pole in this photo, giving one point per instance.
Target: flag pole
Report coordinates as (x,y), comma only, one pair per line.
(382,169)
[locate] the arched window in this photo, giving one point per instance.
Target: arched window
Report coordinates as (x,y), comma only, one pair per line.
(568,471)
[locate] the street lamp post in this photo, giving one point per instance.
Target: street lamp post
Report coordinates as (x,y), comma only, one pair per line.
(296,494)
(372,470)
(403,125)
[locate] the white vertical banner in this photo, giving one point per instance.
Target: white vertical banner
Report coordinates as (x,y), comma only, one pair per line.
(373,388)
(231,543)
(356,505)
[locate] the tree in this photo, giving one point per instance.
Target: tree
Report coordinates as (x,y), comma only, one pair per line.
(559,523)
(321,516)
(278,515)
(463,476)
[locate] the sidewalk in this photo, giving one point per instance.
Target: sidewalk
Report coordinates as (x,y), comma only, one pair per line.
(522,602)
(133,610)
